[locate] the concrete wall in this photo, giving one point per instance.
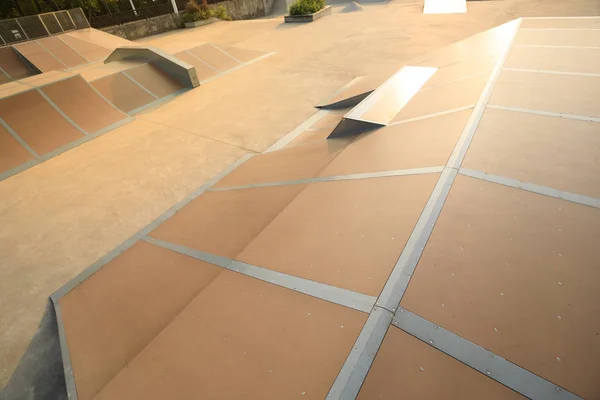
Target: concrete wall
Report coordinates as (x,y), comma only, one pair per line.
(238,9)
(139,29)
(246,9)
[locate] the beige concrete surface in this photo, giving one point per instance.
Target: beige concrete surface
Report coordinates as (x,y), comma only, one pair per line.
(61,216)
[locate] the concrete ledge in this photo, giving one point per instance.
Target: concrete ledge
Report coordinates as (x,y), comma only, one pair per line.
(309,17)
(182,71)
(195,24)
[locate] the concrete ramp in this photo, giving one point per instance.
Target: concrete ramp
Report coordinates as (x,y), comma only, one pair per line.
(381,106)
(211,60)
(181,71)
(14,67)
(49,115)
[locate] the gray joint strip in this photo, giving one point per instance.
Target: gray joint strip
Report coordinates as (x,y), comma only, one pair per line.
(226,53)
(61,112)
(532,187)
(13,171)
(557,47)
(19,139)
(143,232)
(346,387)
(201,60)
(297,131)
(367,175)
(397,283)
(62,149)
(158,102)
(546,113)
(71,47)
(437,114)
(480,359)
(102,97)
(357,365)
(545,71)
(344,297)
(236,68)
(140,85)
(50,53)
(65,354)
(6,74)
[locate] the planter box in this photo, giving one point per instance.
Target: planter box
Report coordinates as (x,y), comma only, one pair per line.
(196,24)
(309,17)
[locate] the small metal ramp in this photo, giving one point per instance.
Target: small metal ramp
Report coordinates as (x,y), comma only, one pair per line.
(380,107)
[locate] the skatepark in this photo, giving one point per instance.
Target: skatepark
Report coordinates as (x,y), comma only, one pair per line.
(399,200)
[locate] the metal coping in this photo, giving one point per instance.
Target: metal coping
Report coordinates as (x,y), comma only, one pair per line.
(365,105)
(354,371)
(545,71)
(366,175)
(532,187)
(545,113)
(343,297)
(491,365)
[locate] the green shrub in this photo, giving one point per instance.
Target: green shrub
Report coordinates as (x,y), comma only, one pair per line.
(195,12)
(304,7)
(221,13)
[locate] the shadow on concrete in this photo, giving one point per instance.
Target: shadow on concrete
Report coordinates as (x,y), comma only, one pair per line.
(39,374)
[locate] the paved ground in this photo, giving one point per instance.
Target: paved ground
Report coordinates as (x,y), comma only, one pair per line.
(61,216)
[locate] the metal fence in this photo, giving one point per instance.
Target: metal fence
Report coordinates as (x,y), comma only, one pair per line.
(102,21)
(37,26)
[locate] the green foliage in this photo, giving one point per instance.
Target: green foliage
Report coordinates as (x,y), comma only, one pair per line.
(195,12)
(221,13)
(304,7)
